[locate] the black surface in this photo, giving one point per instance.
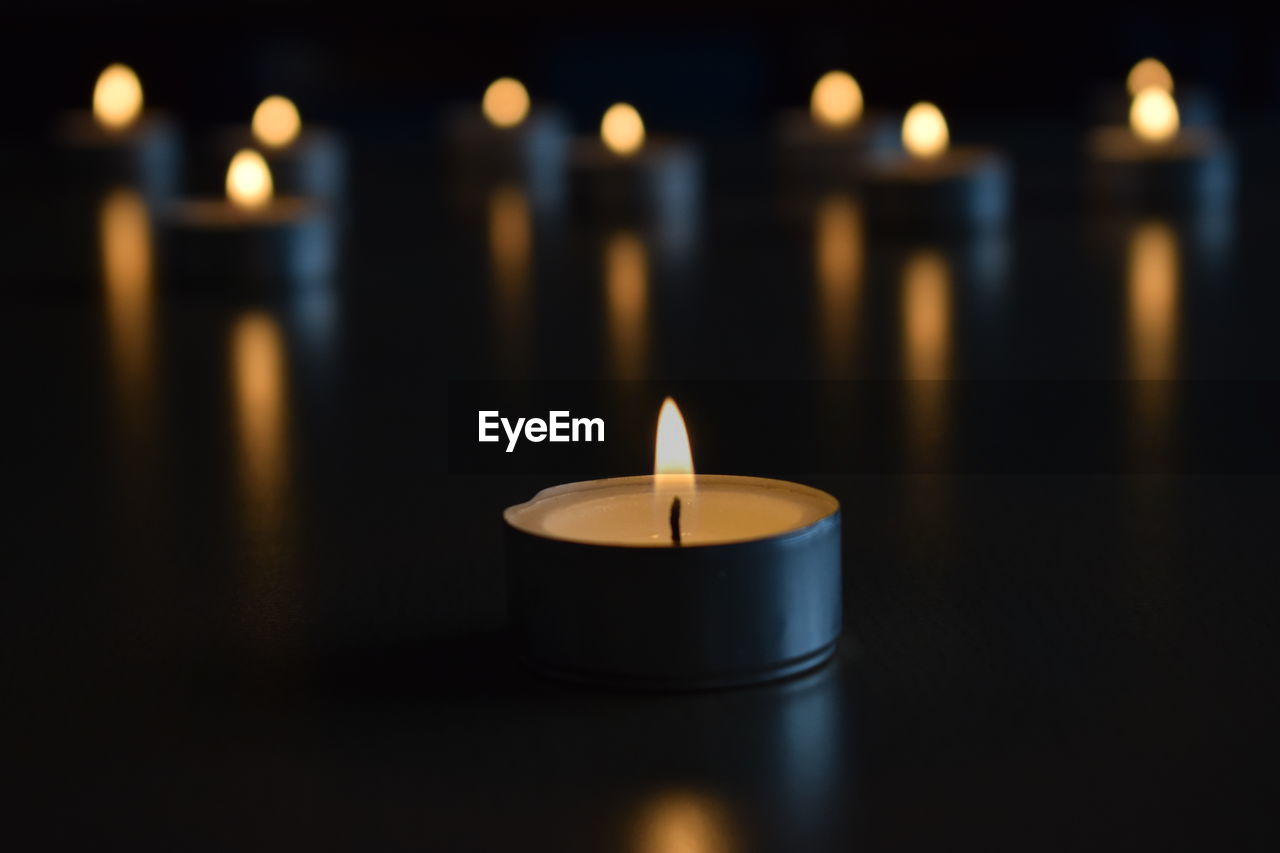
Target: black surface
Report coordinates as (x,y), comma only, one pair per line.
(246,607)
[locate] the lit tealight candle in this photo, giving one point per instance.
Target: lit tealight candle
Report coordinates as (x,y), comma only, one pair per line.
(305,159)
(1154,159)
(116,141)
(625,172)
(510,139)
(675,580)
(933,183)
(832,140)
(252,234)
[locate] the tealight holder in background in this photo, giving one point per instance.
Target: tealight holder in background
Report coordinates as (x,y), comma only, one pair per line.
(624,178)
(306,160)
(831,142)
(506,140)
(932,185)
(117,142)
(1197,105)
(252,238)
(1156,162)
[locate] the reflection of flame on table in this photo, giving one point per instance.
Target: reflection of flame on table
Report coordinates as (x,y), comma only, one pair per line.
(838,256)
(626,283)
(1153,331)
(260,392)
(125,234)
(926,341)
(684,822)
(511,258)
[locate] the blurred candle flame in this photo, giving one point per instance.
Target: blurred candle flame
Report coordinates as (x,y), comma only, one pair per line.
(622,130)
(836,101)
(924,131)
(276,123)
(1153,115)
(505,103)
(626,282)
(249,185)
(117,97)
(1147,73)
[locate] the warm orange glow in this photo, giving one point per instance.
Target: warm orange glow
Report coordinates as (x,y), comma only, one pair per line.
(258,375)
(626,292)
(1147,73)
(926,307)
(836,101)
(511,257)
(125,233)
(1153,115)
(924,131)
(506,102)
(249,184)
(1153,300)
(622,130)
(276,123)
(117,97)
(684,822)
(838,259)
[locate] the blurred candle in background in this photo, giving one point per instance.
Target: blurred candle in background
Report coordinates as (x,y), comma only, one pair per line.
(511,267)
(832,139)
(118,142)
(838,265)
(626,302)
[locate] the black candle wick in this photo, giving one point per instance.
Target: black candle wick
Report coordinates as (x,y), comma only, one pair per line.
(675,521)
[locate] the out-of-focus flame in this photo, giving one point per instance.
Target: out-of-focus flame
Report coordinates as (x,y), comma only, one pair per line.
(924,131)
(506,102)
(276,122)
(836,101)
(1153,115)
(1147,73)
(117,97)
(249,184)
(672,456)
(626,292)
(622,130)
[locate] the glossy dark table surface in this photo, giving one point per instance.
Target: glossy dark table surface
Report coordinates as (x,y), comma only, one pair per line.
(253,600)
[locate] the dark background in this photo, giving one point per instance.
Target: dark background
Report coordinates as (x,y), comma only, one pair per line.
(233,621)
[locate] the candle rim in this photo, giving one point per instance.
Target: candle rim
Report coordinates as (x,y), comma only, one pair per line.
(828,502)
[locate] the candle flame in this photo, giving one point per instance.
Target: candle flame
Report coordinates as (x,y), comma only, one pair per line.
(924,131)
(836,101)
(249,180)
(672,456)
(622,130)
(1153,116)
(1147,73)
(117,97)
(505,102)
(276,122)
